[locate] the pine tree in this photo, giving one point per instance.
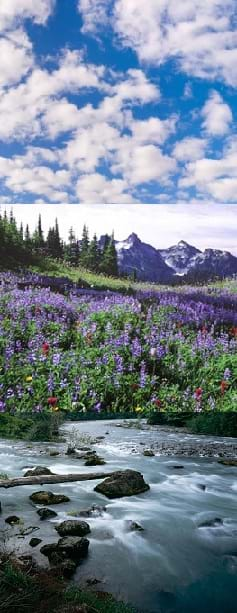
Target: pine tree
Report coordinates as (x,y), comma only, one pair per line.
(84,247)
(109,261)
(93,255)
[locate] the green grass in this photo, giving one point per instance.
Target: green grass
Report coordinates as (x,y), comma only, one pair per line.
(38,591)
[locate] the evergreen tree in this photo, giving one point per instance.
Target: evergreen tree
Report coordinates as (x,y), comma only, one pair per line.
(109,261)
(93,255)
(84,247)
(38,237)
(72,249)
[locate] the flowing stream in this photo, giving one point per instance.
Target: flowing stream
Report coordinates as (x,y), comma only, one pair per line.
(174,565)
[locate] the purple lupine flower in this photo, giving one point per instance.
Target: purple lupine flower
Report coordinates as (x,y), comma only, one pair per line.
(227,374)
(2,406)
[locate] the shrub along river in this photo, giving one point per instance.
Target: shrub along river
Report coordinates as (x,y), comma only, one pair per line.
(184,559)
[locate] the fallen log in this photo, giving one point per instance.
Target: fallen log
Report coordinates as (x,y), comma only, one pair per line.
(43,479)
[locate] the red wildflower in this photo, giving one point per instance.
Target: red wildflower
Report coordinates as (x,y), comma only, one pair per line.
(204,330)
(45,348)
(224,386)
(158,402)
(52,400)
(233,331)
(198,393)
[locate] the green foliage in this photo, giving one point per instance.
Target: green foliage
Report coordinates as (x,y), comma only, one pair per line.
(99,604)
(21,426)
(37,591)
(224,424)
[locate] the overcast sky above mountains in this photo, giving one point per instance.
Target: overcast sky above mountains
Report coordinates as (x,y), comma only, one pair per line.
(205,226)
(118,101)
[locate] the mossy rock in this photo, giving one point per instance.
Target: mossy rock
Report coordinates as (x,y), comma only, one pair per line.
(48,498)
(123,483)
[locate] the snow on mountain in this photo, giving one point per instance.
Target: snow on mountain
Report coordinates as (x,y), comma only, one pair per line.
(142,260)
(179,257)
(162,265)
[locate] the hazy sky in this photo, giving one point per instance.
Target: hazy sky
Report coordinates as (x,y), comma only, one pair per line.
(210,225)
(122,101)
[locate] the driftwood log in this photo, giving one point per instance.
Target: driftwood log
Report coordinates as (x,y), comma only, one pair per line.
(44,479)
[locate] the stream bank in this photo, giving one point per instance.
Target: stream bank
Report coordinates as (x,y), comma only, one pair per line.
(185,558)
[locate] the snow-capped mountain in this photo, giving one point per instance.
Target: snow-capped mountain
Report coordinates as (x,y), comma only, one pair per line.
(180,257)
(213,262)
(136,257)
(164,265)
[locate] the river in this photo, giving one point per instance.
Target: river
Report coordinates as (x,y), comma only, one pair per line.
(174,565)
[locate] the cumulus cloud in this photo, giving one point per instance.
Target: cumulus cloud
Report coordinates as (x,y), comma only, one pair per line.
(26,175)
(94,12)
(189,148)
(13,12)
(142,164)
(216,178)
(16,58)
(217,115)
(200,34)
(94,188)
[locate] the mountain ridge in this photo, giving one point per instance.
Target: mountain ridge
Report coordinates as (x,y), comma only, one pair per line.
(147,263)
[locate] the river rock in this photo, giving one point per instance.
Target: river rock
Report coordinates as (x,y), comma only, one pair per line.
(46,513)
(53,453)
(73,527)
(69,547)
(211,523)
(37,471)
(13,520)
(73,547)
(34,542)
(45,497)
(228,461)
(95,460)
(123,483)
(94,511)
(135,527)
(148,453)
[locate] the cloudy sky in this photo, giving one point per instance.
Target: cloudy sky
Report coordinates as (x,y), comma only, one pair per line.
(162,225)
(118,101)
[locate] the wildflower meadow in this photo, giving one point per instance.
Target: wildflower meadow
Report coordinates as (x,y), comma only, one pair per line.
(89,354)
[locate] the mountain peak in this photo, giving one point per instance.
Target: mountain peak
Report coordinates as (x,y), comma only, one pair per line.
(133,238)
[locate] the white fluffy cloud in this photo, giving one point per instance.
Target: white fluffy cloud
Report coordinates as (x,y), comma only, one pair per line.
(14,11)
(29,174)
(200,34)
(217,115)
(216,178)
(142,164)
(94,12)
(16,58)
(94,188)
(189,148)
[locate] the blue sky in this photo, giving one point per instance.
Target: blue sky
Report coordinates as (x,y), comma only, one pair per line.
(118,102)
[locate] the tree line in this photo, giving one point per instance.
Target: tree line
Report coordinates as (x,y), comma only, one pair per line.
(18,244)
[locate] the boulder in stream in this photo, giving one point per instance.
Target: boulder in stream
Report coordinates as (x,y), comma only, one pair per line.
(95,460)
(228,461)
(73,527)
(46,513)
(148,453)
(211,523)
(13,520)
(37,471)
(35,541)
(45,497)
(69,547)
(123,483)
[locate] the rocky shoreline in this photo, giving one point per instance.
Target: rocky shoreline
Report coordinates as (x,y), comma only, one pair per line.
(188,445)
